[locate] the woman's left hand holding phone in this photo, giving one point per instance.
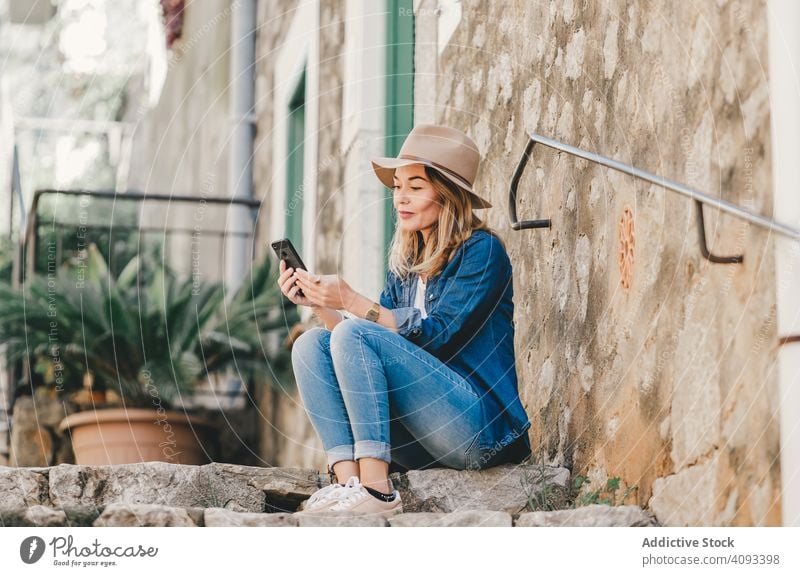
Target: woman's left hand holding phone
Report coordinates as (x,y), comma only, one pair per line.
(289,286)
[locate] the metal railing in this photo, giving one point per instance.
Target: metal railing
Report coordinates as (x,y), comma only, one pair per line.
(31,238)
(700,198)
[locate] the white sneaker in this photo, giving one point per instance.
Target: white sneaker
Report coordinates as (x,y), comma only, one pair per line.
(355,499)
(322,498)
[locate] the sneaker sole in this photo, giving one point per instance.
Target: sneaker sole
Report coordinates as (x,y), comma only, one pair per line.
(384,513)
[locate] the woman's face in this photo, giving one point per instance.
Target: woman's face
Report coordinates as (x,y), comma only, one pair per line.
(415,200)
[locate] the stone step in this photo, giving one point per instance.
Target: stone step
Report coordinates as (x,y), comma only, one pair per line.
(255,489)
(163,494)
(241,488)
(163,516)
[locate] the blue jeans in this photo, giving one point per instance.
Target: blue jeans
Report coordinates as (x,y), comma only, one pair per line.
(370,392)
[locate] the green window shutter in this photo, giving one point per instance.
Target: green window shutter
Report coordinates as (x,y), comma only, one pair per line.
(294,164)
(399,90)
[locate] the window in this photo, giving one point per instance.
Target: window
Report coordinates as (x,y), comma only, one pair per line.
(294,163)
(399,88)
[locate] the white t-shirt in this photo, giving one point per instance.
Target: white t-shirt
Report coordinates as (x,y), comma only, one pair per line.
(419,299)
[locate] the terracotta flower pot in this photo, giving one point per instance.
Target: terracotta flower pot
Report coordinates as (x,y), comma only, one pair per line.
(126,436)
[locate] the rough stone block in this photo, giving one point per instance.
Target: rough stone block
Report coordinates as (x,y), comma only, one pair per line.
(143,515)
(23,487)
(216,517)
(594,515)
(452,519)
(504,488)
(340,519)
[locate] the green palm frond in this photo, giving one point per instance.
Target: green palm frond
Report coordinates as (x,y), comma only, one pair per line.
(161,336)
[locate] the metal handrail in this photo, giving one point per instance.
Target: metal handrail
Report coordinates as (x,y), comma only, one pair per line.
(699,197)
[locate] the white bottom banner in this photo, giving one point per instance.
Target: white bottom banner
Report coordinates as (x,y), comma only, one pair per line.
(620,551)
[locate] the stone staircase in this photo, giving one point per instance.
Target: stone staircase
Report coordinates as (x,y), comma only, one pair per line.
(163,494)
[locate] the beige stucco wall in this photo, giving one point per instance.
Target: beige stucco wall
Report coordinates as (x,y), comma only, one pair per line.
(180,146)
(287,437)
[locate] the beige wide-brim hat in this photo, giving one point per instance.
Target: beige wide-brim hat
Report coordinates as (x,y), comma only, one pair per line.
(450,151)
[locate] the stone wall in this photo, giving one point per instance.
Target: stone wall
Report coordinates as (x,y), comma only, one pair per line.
(667,384)
(35,436)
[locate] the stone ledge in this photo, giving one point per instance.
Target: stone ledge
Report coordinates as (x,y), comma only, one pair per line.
(217,517)
(341,520)
(452,519)
(144,515)
(163,494)
(241,488)
(47,516)
(505,488)
(253,489)
(23,487)
(120,514)
(589,516)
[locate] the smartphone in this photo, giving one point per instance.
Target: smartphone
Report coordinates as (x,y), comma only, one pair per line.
(285,250)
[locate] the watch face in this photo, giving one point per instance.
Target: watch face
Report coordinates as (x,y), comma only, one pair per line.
(373,314)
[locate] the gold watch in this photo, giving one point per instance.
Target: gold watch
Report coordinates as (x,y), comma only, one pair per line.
(374,312)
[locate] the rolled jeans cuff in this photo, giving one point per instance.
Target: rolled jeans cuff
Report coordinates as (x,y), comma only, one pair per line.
(339,453)
(373,449)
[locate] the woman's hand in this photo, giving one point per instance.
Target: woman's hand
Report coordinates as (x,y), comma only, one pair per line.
(325,290)
(289,287)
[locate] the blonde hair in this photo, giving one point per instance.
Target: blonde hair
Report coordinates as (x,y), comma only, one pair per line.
(407,251)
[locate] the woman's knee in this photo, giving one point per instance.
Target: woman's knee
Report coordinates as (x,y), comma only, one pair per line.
(310,342)
(348,329)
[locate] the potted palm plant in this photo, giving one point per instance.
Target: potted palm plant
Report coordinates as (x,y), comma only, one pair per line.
(145,339)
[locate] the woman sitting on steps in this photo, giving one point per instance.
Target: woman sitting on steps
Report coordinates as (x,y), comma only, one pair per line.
(426,377)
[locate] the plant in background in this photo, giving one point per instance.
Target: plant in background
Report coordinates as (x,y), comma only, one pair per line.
(604,495)
(7,247)
(541,494)
(148,342)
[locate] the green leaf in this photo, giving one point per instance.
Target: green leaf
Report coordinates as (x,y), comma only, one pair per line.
(579,481)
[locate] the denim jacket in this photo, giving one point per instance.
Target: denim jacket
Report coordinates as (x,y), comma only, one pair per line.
(470,327)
